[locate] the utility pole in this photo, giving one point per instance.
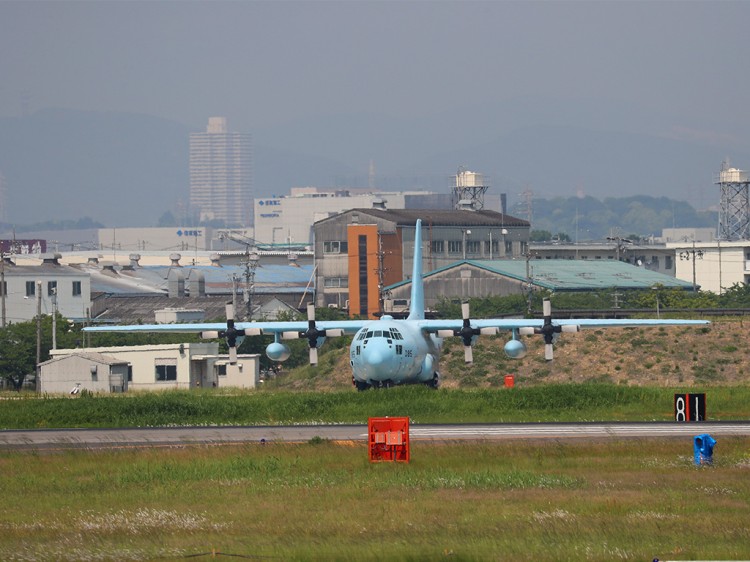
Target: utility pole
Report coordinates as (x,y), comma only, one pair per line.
(2,288)
(38,322)
(692,255)
(54,317)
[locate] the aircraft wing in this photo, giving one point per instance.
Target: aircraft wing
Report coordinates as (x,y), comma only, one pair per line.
(468,329)
(433,326)
(347,326)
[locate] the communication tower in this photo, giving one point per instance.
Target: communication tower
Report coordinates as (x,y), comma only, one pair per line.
(734,208)
(468,190)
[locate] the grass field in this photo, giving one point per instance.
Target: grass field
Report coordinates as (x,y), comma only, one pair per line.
(512,500)
(553,402)
(634,499)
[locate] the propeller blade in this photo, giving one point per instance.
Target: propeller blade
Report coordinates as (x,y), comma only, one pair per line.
(313,356)
(465,310)
(290,335)
(230,311)
(253,332)
(571,328)
(488,331)
(468,355)
(548,351)
(212,335)
(336,333)
(526,331)
(547,308)
(311,312)
(445,333)
(233,354)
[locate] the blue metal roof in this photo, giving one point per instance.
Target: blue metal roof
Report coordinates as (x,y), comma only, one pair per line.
(573,275)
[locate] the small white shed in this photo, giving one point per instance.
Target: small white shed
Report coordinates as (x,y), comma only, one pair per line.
(95,372)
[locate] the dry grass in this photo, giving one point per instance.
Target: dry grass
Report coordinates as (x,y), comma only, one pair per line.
(660,356)
(626,500)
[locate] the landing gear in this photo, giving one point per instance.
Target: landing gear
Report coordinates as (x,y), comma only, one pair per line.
(435,382)
(361,385)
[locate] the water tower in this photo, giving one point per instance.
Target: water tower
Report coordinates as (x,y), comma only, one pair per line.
(734,208)
(469,190)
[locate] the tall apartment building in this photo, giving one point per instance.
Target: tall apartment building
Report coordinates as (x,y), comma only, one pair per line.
(221,174)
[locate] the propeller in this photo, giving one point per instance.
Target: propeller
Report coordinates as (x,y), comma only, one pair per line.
(467,333)
(548,330)
(231,333)
(312,334)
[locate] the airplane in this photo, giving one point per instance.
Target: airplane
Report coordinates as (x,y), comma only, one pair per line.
(386,351)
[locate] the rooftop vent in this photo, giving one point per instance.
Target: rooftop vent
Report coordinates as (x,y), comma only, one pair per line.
(466,205)
(134,259)
(93,261)
(175,260)
(215,260)
(52,259)
(378,204)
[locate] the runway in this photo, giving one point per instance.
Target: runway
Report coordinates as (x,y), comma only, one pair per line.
(58,439)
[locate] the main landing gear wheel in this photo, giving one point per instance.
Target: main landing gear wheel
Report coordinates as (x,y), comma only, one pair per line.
(361,386)
(435,382)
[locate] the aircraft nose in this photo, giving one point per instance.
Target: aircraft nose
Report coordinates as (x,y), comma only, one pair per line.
(376,360)
(375,357)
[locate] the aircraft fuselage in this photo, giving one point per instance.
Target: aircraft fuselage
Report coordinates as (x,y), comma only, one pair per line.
(388,351)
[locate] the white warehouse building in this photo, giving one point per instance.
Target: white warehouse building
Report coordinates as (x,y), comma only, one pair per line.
(146,367)
(289,219)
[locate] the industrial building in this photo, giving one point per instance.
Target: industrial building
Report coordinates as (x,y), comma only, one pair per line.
(49,286)
(361,251)
(289,219)
(499,278)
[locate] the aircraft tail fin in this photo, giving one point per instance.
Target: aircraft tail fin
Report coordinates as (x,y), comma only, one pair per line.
(416,306)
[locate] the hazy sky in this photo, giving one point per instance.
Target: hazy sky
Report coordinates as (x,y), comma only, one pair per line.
(265,63)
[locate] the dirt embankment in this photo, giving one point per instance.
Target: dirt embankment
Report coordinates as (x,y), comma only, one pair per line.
(662,356)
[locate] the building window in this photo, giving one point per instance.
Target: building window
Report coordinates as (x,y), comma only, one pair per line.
(335,282)
(473,247)
(508,246)
(4,289)
(455,247)
(166,370)
(668,262)
(76,288)
(30,288)
(335,247)
(51,288)
(437,246)
(130,373)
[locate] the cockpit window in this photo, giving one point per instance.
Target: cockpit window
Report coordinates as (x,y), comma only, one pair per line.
(369,334)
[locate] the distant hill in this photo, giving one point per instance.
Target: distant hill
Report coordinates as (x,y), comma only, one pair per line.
(588,218)
(128,170)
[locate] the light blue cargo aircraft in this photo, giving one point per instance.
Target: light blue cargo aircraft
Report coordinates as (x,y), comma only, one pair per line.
(387,351)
